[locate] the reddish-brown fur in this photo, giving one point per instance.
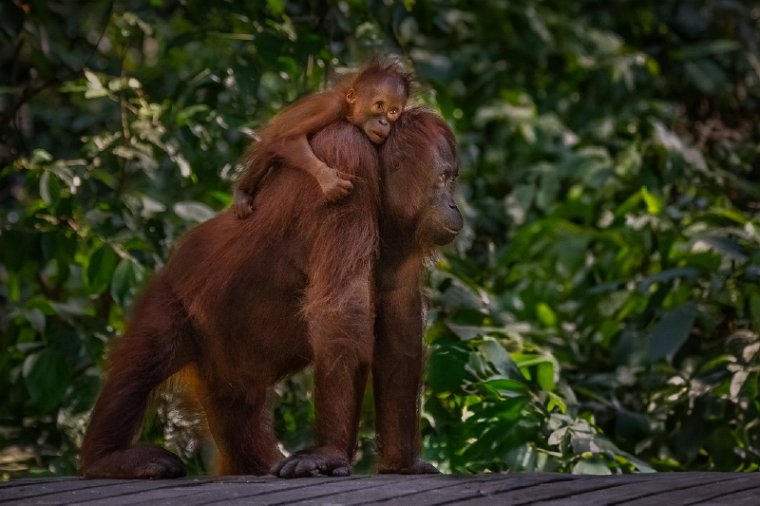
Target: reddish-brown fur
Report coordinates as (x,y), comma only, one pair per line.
(245,302)
(417,215)
(284,138)
(241,303)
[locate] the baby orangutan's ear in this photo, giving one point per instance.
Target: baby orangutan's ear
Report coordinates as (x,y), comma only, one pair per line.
(351,96)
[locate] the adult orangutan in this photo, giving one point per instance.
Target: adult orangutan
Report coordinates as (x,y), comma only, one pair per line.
(242,303)
(371,99)
(420,167)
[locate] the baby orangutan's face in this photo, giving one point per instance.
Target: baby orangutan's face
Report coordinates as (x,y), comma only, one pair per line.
(376,107)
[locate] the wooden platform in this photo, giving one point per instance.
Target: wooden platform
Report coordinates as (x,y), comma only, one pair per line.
(660,489)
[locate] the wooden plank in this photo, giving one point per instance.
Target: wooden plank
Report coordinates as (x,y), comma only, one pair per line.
(174,492)
(354,490)
(552,490)
(389,490)
(258,490)
(631,490)
(306,489)
(90,490)
(701,491)
(417,490)
(35,489)
(462,488)
(34,481)
(657,489)
(749,497)
(135,489)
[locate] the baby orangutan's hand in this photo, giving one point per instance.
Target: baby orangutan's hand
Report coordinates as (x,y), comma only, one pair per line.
(333,186)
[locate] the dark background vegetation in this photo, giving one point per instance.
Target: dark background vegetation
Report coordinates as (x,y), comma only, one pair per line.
(599,314)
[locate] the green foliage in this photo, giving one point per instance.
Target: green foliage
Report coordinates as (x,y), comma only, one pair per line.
(599,314)
(613,206)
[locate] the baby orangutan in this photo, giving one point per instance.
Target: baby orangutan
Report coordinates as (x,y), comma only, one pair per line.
(371,100)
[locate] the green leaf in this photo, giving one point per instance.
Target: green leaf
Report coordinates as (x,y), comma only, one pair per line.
(193,211)
(628,204)
(542,368)
(673,329)
(498,356)
(47,376)
(545,315)
(507,385)
(707,48)
(654,203)
(100,268)
(754,308)
(590,467)
(45,188)
(466,332)
(737,382)
(512,408)
(36,319)
(519,201)
(95,88)
(127,279)
(555,401)
(667,275)
(85,390)
(446,368)
(556,437)
(724,245)
(706,75)
(184,116)
(547,193)
(571,253)
(277,7)
(545,375)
